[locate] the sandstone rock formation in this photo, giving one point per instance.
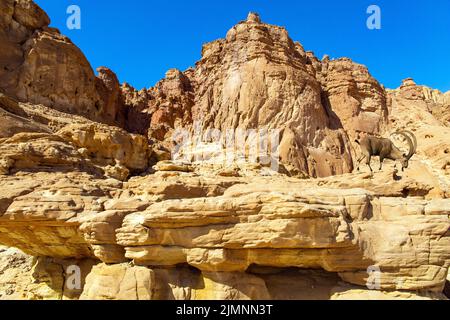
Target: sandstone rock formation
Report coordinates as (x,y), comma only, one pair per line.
(41,66)
(87,183)
(258,77)
(235,235)
(39,138)
(425,112)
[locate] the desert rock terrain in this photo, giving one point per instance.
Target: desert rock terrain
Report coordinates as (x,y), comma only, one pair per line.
(89,181)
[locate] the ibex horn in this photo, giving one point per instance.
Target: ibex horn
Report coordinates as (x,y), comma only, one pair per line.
(412,148)
(413,137)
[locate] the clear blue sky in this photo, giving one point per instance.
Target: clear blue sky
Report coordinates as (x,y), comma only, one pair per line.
(141,39)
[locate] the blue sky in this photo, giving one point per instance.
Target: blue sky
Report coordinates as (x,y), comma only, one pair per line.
(141,39)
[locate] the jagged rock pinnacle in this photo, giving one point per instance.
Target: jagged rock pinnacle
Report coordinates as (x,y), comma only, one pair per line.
(254,17)
(408,82)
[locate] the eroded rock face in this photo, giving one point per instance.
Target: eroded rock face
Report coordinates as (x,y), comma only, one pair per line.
(222,232)
(75,192)
(25,277)
(356,98)
(424,112)
(257,77)
(41,66)
(37,138)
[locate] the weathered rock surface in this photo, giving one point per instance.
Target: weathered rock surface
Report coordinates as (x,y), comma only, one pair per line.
(25,277)
(229,227)
(41,66)
(37,138)
(257,77)
(77,194)
(356,100)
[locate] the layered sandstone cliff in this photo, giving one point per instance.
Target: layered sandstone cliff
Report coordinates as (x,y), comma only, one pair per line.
(86,179)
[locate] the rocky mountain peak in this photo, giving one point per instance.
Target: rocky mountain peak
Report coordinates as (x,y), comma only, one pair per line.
(408,82)
(253,17)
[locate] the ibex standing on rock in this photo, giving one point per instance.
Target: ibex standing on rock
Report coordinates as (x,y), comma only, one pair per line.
(385,149)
